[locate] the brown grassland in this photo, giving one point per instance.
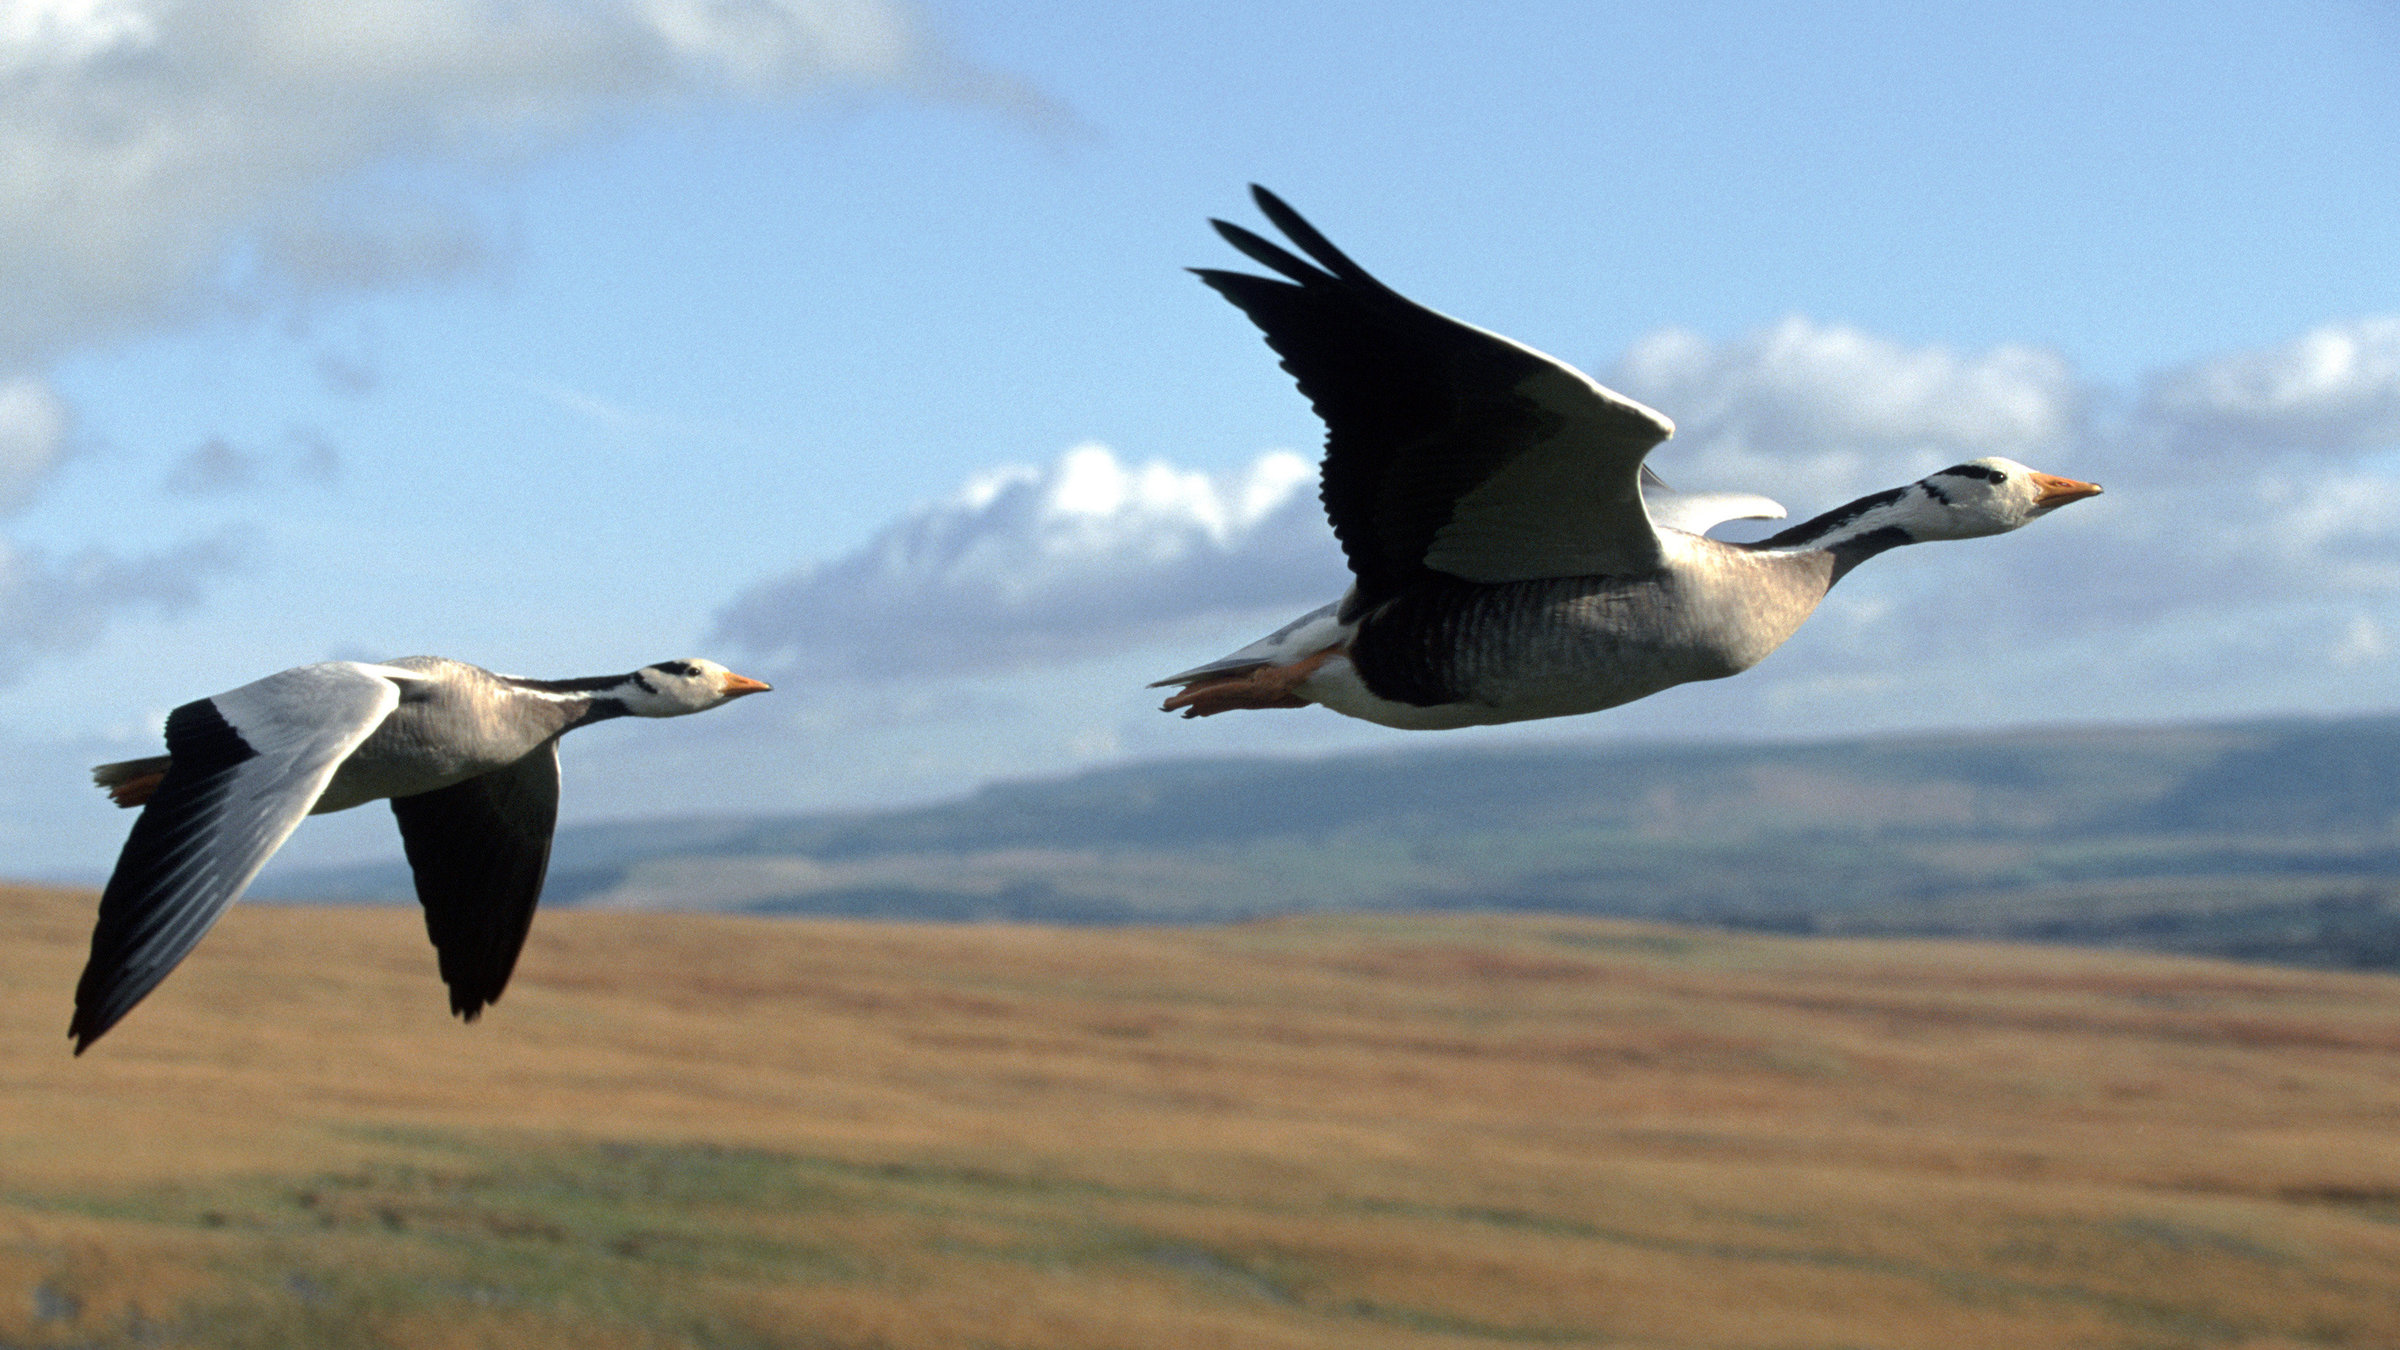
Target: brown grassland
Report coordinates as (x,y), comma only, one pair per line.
(682,1130)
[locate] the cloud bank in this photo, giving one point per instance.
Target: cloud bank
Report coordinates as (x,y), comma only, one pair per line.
(163,162)
(2333,392)
(2251,529)
(160,161)
(1033,566)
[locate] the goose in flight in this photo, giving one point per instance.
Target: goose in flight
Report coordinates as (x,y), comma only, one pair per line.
(468,758)
(1512,557)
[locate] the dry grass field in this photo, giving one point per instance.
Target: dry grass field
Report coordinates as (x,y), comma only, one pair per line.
(683,1130)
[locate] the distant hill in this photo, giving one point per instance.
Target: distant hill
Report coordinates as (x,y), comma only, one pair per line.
(2271,841)
(2274,841)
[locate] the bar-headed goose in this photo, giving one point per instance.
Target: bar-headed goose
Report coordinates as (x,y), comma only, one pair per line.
(468,758)
(1512,557)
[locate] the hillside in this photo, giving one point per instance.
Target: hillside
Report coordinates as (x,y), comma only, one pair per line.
(693,1130)
(2270,841)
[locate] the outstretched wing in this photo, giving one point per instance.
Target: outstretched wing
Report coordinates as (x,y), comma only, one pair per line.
(1447,447)
(246,765)
(480,850)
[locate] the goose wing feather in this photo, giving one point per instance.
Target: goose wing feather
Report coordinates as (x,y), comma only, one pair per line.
(479,850)
(1699,512)
(1447,446)
(246,767)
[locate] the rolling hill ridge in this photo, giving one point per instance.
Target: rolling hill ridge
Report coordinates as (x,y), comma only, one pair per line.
(2269,841)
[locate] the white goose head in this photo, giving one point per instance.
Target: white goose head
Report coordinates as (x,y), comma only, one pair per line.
(1984,496)
(677,688)
(1980,497)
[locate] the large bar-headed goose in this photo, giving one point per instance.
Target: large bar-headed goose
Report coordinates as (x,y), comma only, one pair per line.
(1512,557)
(468,758)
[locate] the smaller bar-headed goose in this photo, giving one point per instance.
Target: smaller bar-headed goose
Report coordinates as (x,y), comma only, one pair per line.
(468,758)
(1512,556)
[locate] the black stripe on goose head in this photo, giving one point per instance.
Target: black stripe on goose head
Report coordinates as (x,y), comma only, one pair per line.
(1983,471)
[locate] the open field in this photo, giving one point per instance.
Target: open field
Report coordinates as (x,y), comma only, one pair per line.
(1336,1131)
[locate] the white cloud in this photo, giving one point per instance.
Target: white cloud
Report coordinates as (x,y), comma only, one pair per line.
(2255,483)
(44,32)
(2363,642)
(1830,411)
(33,434)
(160,159)
(1027,566)
(2332,391)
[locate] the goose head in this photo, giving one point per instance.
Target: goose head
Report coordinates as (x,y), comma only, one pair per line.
(1964,501)
(1982,496)
(677,688)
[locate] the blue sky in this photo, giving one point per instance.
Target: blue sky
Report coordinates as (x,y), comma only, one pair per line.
(847,342)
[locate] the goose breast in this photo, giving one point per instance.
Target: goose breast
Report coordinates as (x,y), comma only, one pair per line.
(459,724)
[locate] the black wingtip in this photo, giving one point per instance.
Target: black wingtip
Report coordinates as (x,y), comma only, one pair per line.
(1220,279)
(469,996)
(1311,240)
(96,1012)
(92,1022)
(1268,254)
(472,992)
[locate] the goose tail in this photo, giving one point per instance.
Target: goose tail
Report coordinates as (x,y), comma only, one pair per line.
(130,782)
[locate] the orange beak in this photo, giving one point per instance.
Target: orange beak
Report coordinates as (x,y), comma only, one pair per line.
(738,685)
(2057,491)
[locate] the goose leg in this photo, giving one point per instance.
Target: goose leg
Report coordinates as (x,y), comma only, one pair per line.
(1257,687)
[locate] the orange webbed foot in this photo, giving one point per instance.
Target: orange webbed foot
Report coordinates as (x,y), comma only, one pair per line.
(1257,687)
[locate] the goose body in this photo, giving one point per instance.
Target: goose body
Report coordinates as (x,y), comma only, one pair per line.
(1513,557)
(468,759)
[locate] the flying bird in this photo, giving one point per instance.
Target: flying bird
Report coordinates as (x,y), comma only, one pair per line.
(468,758)
(1512,557)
